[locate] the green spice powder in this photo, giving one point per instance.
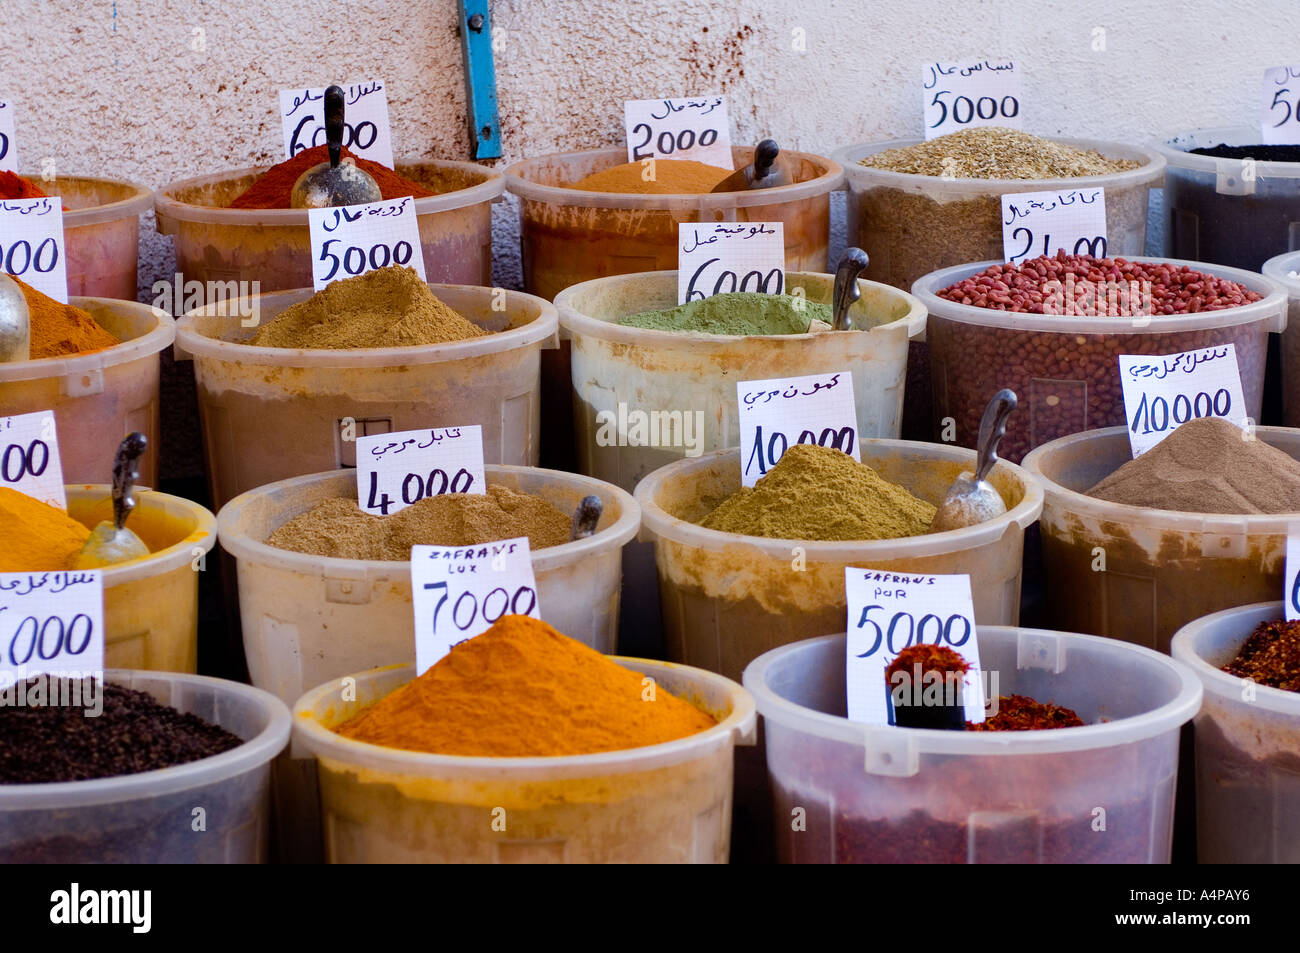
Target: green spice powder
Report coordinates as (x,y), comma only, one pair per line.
(738,313)
(819,493)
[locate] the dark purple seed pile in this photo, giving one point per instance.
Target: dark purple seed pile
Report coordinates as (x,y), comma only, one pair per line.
(133,733)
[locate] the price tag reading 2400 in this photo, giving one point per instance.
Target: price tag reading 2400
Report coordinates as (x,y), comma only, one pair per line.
(1042,223)
(1161,393)
(695,129)
(355,239)
(960,96)
(460,591)
(723,257)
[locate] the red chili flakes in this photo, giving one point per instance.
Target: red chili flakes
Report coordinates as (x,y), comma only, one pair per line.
(1270,656)
(932,658)
(1022,713)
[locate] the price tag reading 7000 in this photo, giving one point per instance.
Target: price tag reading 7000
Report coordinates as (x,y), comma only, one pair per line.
(460,591)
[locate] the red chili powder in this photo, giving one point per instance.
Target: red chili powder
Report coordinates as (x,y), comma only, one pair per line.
(14,186)
(275,186)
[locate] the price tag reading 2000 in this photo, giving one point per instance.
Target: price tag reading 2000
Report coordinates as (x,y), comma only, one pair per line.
(960,96)
(695,129)
(354,239)
(460,591)
(1161,393)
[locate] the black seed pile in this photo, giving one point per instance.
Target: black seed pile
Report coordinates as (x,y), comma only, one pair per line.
(1260,153)
(133,733)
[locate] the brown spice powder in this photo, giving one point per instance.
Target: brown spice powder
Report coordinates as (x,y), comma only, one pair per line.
(388,307)
(1270,656)
(339,528)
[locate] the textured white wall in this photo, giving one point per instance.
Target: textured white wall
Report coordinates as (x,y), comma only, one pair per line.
(132,95)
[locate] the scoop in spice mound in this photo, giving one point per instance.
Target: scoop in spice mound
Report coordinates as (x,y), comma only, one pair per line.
(1270,656)
(274,187)
(1207,465)
(820,493)
(995,152)
(387,307)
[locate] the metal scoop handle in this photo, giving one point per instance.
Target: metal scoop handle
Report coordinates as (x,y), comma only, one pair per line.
(992,429)
(334,114)
(765,154)
(585,517)
(853,263)
(126,470)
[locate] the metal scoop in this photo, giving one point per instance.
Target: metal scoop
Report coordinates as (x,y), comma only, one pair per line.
(971,499)
(585,517)
(852,264)
(334,183)
(112,543)
(15,322)
(765,172)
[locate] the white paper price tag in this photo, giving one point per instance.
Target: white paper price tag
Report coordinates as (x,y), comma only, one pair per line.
(51,622)
(31,244)
(354,239)
(776,413)
(29,457)
(460,591)
(1291,595)
(694,129)
(395,470)
(1162,393)
(1041,223)
(1281,122)
(8,142)
(365,133)
(889,611)
(722,257)
(960,96)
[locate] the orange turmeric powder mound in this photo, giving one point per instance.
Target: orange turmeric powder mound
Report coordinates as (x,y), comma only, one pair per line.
(670,177)
(58,329)
(521,689)
(36,537)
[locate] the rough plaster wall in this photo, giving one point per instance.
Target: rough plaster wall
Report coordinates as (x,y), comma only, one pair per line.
(135,90)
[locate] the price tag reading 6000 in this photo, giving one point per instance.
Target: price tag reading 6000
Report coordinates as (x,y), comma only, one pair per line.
(460,591)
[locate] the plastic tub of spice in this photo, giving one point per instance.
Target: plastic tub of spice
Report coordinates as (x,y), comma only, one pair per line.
(101,396)
(1064,366)
(1285,270)
(1247,747)
(570,235)
(307,618)
(1223,209)
(1137,573)
(727,598)
(151,605)
(269,413)
(633,372)
(273,246)
(1100,793)
(662,803)
(209,811)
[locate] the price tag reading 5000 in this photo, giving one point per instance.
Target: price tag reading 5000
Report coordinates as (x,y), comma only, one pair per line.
(460,591)
(960,96)
(352,240)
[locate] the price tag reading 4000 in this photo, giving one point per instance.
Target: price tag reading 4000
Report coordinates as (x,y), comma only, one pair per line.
(1163,393)
(366,132)
(460,591)
(695,129)
(723,257)
(51,622)
(354,239)
(889,611)
(960,96)
(395,470)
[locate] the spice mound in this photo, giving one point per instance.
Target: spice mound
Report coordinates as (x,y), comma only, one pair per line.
(930,658)
(665,177)
(37,537)
(1022,713)
(274,187)
(1063,284)
(51,733)
(1270,656)
(737,313)
(521,689)
(1207,465)
(14,186)
(1260,153)
(995,152)
(338,527)
(819,493)
(388,307)
(58,329)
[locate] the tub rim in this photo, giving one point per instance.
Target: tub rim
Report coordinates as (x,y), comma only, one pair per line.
(163,560)
(1180,158)
(1218,682)
(148,344)
(1279,267)
(133,205)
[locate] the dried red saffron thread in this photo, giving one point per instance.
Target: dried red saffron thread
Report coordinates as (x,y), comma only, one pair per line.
(1022,713)
(14,186)
(1270,656)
